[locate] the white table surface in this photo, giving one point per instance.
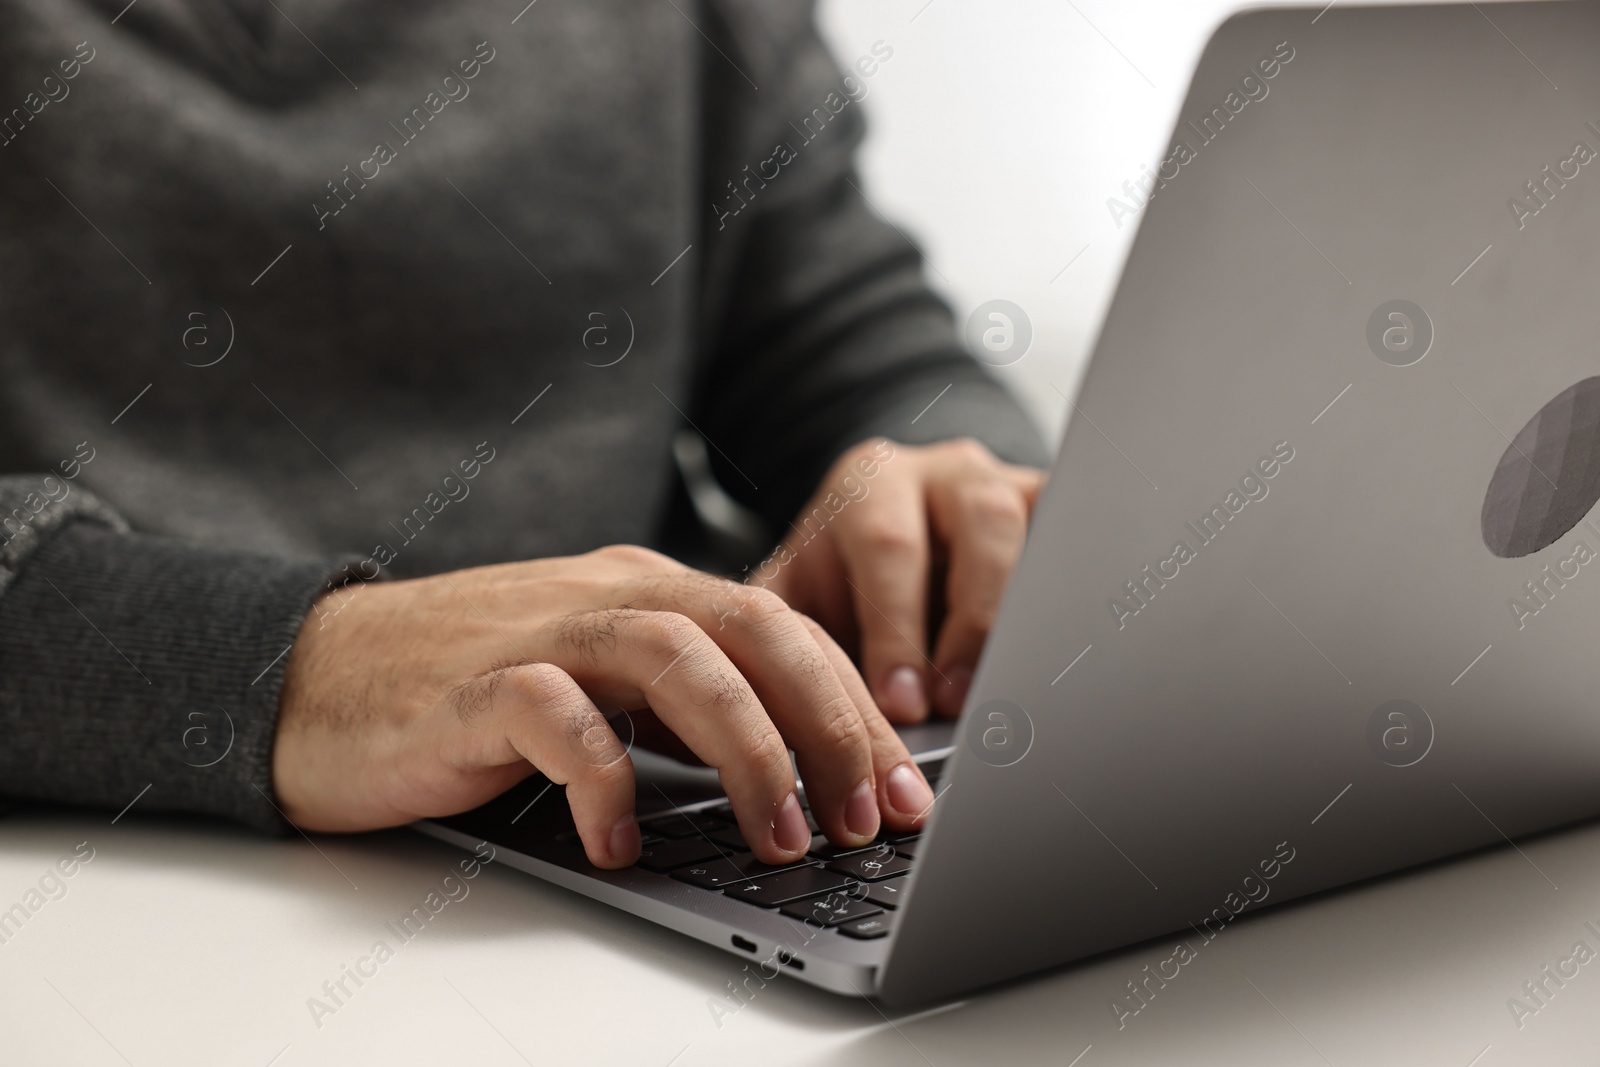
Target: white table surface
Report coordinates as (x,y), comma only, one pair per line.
(184,942)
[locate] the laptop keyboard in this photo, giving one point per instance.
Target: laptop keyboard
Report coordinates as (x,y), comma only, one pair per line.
(853,891)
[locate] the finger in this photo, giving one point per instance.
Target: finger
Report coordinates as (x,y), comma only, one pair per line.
(1029,481)
(810,577)
(885,552)
(540,714)
(983,525)
(798,686)
(651,733)
(904,796)
(628,656)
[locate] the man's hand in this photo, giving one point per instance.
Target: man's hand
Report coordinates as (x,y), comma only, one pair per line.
(897,536)
(431,696)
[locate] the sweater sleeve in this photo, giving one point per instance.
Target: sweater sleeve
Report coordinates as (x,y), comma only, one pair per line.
(135,667)
(820,330)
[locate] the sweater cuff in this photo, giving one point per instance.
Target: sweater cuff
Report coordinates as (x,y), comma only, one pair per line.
(135,666)
(33,509)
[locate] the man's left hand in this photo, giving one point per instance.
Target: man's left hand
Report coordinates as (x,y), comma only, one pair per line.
(900,540)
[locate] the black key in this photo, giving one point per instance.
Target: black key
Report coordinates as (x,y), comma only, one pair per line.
(873,866)
(730,835)
(721,873)
(867,929)
(718,823)
(690,824)
(571,837)
(933,770)
(824,849)
(831,910)
(774,890)
(669,854)
(733,837)
(886,894)
(906,846)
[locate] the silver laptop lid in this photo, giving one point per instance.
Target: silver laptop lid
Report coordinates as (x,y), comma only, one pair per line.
(1295,611)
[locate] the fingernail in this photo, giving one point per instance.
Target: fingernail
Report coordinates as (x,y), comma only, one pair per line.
(789,830)
(861,812)
(903,695)
(953,689)
(908,791)
(624,843)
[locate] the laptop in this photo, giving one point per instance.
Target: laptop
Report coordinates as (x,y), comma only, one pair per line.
(1312,594)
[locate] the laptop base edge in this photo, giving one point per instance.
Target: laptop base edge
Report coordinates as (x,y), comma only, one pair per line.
(779,944)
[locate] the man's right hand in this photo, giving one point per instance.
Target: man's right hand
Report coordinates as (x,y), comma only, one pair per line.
(428,697)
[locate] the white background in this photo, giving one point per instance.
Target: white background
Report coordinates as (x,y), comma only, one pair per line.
(996,134)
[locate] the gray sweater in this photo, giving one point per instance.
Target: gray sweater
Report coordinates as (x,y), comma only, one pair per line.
(305,292)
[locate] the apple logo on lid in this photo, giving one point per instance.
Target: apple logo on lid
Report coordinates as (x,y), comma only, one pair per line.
(1549,478)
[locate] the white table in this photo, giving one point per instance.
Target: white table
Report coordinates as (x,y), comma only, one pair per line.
(184,942)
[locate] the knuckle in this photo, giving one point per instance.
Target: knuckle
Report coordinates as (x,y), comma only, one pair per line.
(761,607)
(995,505)
(723,691)
(888,534)
(839,731)
(635,556)
(663,591)
(809,649)
(765,751)
(1033,477)
(528,685)
(869,451)
(586,633)
(669,632)
(542,685)
(971,450)
(613,774)
(693,587)
(831,660)
(475,696)
(590,738)
(807,658)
